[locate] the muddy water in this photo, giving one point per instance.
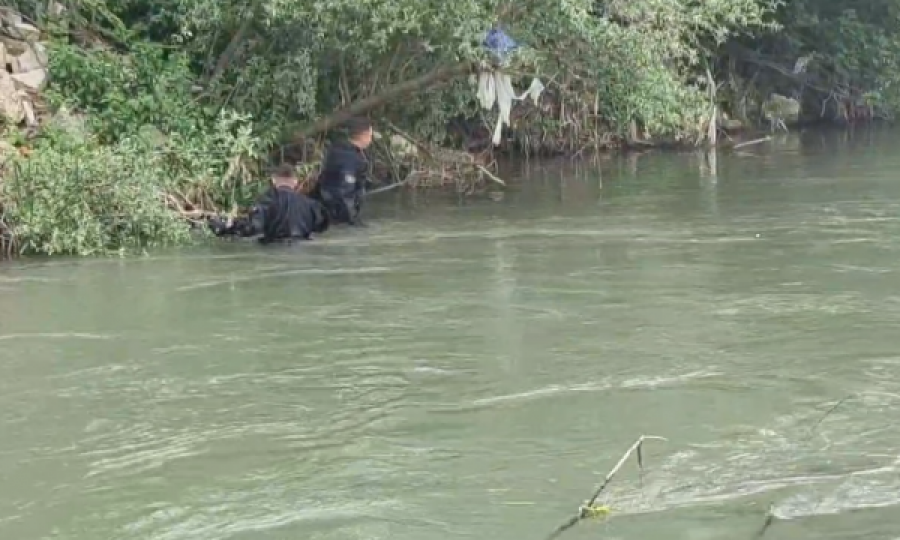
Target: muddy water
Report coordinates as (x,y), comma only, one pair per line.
(473,370)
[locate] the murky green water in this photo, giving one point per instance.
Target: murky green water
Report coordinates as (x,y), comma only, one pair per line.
(472,371)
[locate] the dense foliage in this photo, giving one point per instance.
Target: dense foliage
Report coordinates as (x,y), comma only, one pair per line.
(840,58)
(220,84)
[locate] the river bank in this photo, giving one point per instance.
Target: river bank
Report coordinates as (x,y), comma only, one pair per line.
(705,164)
(189,223)
(179,116)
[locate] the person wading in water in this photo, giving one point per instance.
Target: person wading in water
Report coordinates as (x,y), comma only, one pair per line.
(344,177)
(281,213)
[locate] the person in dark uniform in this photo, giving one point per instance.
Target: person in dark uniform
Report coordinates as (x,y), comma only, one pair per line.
(280,213)
(344,177)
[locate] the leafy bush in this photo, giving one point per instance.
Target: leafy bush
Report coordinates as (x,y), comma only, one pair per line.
(88,199)
(121,93)
(72,196)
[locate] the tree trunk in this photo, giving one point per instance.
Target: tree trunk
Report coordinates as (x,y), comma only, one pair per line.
(437,77)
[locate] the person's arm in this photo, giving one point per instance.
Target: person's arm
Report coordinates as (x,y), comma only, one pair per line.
(350,178)
(258,212)
(221,227)
(363,181)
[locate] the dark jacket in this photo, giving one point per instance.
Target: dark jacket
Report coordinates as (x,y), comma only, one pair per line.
(344,170)
(278,214)
(282,213)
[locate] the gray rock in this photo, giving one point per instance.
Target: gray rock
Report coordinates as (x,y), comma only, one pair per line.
(10,100)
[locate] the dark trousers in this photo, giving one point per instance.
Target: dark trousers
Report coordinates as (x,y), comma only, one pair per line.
(341,207)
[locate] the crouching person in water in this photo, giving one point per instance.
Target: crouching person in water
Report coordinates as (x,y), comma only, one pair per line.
(281,213)
(344,177)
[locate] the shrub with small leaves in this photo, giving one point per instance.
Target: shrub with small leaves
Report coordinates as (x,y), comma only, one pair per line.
(87,199)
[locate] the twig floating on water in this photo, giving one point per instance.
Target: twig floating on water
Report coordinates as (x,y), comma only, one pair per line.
(770,519)
(751,143)
(770,515)
(490,175)
(386,188)
(588,509)
(833,408)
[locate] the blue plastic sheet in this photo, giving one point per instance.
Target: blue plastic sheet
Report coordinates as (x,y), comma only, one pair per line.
(499,44)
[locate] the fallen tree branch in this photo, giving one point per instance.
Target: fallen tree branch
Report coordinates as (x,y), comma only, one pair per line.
(389,187)
(436,77)
(481,169)
(750,143)
(196,215)
(588,510)
(490,175)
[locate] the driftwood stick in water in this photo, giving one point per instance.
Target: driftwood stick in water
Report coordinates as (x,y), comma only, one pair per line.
(830,410)
(751,143)
(490,175)
(387,187)
(588,509)
(771,518)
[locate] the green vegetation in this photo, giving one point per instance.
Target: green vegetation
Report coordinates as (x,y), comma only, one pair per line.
(184,101)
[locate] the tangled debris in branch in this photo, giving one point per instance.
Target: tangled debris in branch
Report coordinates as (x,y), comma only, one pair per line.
(416,164)
(589,509)
(771,518)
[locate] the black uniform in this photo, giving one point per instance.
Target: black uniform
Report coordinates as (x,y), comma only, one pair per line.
(343,182)
(279,214)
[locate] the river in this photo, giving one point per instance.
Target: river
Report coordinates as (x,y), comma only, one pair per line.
(472,369)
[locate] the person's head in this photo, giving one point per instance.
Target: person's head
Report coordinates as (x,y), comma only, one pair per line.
(359,130)
(284,176)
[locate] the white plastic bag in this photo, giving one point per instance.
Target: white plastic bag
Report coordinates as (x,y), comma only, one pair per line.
(494,86)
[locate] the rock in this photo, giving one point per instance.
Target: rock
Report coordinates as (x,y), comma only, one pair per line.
(24,32)
(14,47)
(32,81)
(3,59)
(9,17)
(34,57)
(29,67)
(28,110)
(781,111)
(10,100)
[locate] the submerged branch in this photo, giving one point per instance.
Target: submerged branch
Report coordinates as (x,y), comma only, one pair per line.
(588,510)
(751,143)
(591,510)
(828,413)
(771,518)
